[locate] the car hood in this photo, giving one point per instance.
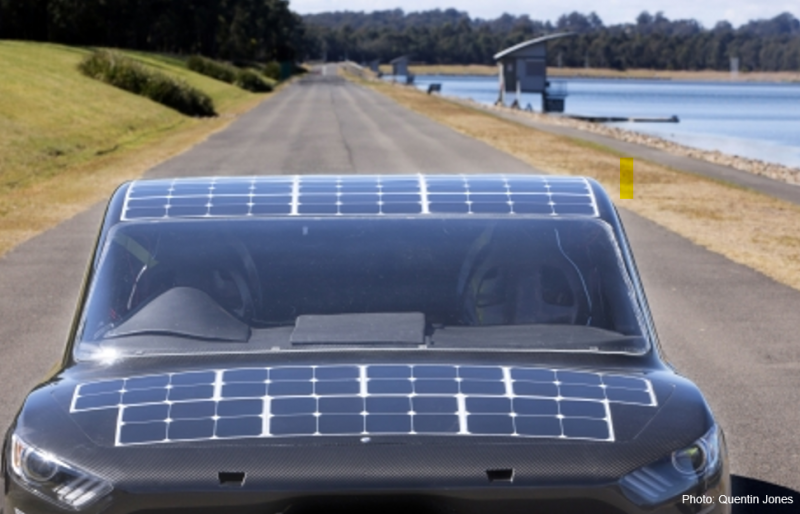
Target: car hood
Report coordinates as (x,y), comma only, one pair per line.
(401,421)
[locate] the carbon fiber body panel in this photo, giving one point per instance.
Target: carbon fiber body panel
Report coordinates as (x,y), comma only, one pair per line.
(462,470)
(643,434)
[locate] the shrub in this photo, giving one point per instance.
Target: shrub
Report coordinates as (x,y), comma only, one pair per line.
(272,70)
(124,73)
(270,81)
(252,81)
(212,68)
(245,79)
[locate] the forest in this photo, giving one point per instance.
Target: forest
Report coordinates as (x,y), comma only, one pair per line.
(652,41)
(262,30)
(266,30)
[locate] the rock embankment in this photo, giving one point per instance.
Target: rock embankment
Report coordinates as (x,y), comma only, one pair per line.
(755,166)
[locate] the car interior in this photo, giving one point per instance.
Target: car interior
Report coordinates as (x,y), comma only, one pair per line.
(452,282)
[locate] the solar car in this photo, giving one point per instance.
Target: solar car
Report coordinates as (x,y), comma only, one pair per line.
(293,344)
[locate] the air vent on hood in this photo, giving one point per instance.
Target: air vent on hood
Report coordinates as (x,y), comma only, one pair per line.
(231,478)
(500,475)
(390,328)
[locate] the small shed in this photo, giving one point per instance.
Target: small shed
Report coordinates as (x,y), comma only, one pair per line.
(523,67)
(399,65)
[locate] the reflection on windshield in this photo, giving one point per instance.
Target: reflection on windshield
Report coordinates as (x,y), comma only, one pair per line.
(231,280)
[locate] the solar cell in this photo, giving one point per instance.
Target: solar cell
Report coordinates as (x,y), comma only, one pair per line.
(146,382)
(363,399)
(144,396)
(331,195)
(144,413)
(435,386)
(426,424)
(388,424)
(235,408)
(251,426)
(112,386)
(535,407)
(538,426)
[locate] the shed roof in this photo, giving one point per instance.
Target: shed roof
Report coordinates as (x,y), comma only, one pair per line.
(399,59)
(531,42)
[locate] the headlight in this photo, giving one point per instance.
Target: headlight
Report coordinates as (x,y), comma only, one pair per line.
(677,473)
(51,479)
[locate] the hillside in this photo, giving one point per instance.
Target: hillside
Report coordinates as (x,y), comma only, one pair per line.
(66,140)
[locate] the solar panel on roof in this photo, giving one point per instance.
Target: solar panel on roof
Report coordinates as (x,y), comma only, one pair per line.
(358,195)
(360,400)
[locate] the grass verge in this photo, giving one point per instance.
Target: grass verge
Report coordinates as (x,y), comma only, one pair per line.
(745,226)
(66,140)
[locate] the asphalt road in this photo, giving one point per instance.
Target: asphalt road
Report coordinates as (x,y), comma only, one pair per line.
(725,326)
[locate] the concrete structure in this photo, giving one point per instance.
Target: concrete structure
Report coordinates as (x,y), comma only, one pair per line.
(400,65)
(523,69)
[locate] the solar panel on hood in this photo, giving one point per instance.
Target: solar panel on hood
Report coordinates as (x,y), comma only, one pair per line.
(359,400)
(330,195)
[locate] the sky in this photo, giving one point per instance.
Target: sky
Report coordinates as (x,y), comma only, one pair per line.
(708,12)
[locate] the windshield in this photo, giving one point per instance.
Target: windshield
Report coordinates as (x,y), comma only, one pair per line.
(270,284)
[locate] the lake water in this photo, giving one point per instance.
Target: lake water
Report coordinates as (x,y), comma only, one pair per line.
(756,120)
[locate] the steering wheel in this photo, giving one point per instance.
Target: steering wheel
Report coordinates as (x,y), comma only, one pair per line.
(247,309)
(251,281)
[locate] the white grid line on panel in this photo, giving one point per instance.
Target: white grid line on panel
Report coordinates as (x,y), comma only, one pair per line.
(550,197)
(592,197)
(251,196)
(379,186)
(168,205)
(126,199)
(652,394)
(266,417)
(362,381)
(467,193)
(423,195)
(462,413)
(607,406)
(210,195)
(508,195)
(560,418)
(294,196)
(295,202)
(218,385)
(338,195)
(120,413)
(508,382)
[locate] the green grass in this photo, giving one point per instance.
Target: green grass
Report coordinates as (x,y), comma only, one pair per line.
(164,61)
(245,78)
(53,117)
(132,75)
(66,140)
(222,93)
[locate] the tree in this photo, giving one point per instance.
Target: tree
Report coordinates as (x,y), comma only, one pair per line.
(653,41)
(231,29)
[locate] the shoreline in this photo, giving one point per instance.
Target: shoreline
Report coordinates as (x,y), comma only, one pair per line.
(744,224)
(787,77)
(780,172)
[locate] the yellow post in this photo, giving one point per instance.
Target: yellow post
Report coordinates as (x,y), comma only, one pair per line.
(626,178)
